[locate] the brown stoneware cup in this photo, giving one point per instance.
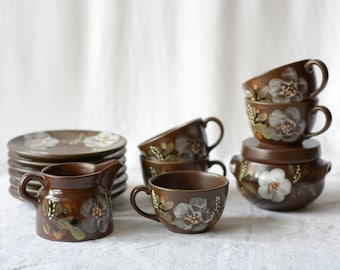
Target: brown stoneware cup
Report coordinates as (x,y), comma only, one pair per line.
(285,123)
(151,168)
(185,201)
(280,178)
(294,82)
(185,142)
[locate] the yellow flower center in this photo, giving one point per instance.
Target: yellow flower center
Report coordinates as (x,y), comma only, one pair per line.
(194,219)
(289,90)
(97,212)
(273,186)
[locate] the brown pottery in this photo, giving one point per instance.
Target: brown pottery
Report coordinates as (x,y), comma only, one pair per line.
(185,142)
(280,178)
(294,82)
(151,168)
(185,201)
(285,123)
(74,201)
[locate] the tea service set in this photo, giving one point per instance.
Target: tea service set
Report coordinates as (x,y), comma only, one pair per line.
(71,177)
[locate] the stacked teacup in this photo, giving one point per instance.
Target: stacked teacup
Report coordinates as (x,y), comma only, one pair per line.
(184,147)
(280,166)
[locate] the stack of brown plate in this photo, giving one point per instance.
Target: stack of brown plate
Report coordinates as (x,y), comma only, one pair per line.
(34,151)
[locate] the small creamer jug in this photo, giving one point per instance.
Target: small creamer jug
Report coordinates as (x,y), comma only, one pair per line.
(74,202)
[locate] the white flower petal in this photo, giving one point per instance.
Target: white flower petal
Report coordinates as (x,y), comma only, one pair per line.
(181,210)
(289,74)
(198,203)
(293,113)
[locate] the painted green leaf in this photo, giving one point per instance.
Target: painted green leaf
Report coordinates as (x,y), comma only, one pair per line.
(262,129)
(66,222)
(261,93)
(77,233)
(261,117)
(46,228)
(165,216)
(250,188)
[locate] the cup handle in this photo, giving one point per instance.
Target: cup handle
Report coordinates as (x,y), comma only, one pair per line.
(324,72)
(26,178)
(133,195)
(220,125)
(328,120)
(219,163)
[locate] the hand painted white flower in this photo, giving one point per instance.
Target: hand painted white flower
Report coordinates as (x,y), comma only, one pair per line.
(274,185)
(40,140)
(96,213)
(286,126)
(101,140)
(189,146)
(288,89)
(194,216)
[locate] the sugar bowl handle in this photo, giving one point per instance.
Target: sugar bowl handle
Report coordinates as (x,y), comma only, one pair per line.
(220,125)
(134,192)
(26,178)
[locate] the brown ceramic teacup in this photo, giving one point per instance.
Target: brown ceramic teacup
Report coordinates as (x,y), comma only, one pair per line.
(285,123)
(185,201)
(294,82)
(182,143)
(151,167)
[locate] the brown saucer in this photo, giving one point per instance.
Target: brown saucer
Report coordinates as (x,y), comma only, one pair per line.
(66,144)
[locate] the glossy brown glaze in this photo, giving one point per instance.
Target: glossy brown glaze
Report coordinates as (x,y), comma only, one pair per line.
(293,82)
(182,143)
(185,201)
(290,184)
(285,123)
(151,168)
(74,201)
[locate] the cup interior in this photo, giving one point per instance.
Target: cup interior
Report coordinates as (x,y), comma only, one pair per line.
(188,181)
(69,169)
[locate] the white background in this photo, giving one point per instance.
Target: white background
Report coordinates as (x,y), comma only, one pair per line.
(141,67)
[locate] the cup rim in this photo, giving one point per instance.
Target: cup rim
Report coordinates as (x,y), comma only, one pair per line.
(191,172)
(167,132)
(143,158)
(265,73)
(288,104)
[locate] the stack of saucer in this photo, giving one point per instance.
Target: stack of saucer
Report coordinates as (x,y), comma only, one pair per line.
(34,151)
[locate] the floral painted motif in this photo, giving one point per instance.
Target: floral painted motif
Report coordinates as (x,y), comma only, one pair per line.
(289,88)
(193,216)
(273,185)
(97,213)
(184,148)
(101,140)
(163,152)
(286,126)
(257,121)
(190,146)
(162,206)
(257,91)
(40,141)
(60,219)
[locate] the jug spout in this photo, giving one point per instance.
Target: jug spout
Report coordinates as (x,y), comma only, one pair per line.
(107,171)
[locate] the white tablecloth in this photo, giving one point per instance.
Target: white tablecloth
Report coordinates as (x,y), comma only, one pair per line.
(245,238)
